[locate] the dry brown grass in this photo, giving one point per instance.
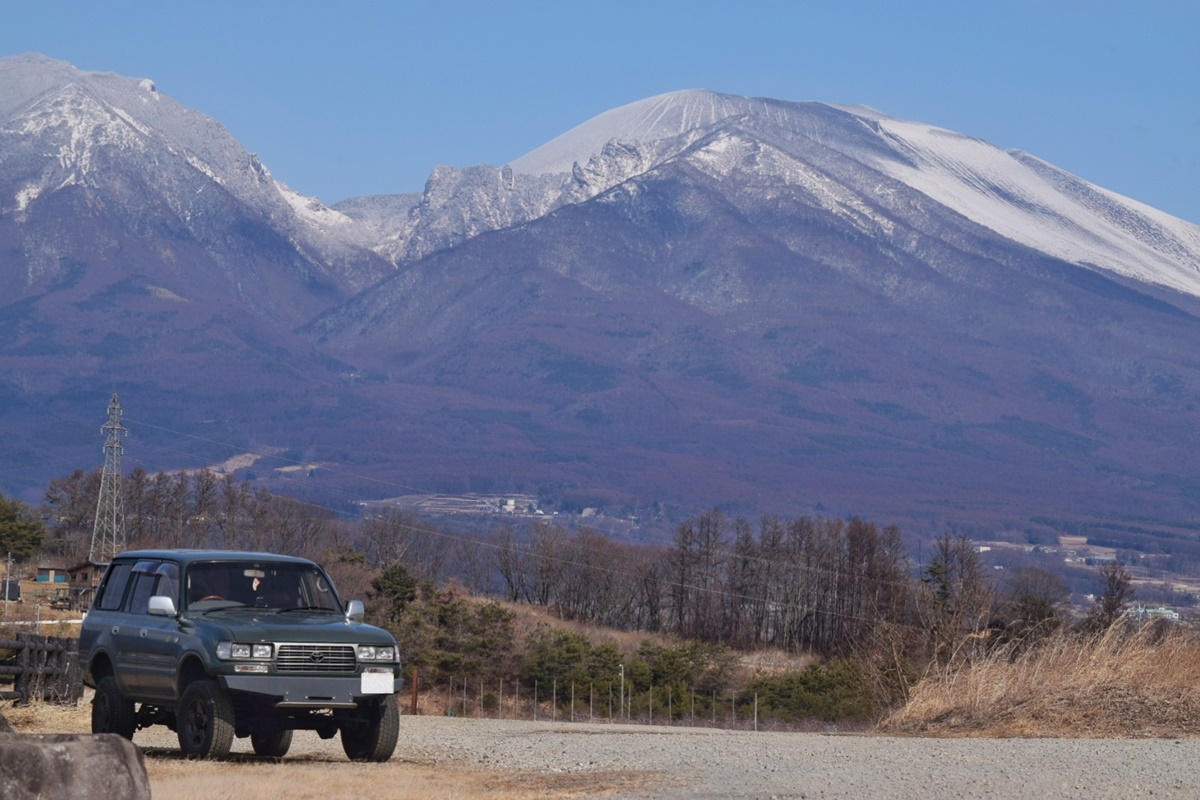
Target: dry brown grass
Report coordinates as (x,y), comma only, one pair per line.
(317,777)
(1141,684)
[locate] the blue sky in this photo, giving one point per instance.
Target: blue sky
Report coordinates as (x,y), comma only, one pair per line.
(343,99)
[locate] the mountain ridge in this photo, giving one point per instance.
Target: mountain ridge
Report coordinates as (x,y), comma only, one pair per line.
(771,306)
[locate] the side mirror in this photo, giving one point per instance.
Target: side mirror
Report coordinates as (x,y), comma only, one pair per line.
(162,606)
(355,611)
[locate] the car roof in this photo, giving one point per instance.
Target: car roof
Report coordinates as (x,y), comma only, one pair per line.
(187,556)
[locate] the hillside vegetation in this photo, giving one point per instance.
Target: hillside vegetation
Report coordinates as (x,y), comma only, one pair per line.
(803,622)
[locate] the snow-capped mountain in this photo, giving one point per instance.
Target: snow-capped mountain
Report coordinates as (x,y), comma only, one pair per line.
(693,299)
(1012,193)
(852,299)
(118,146)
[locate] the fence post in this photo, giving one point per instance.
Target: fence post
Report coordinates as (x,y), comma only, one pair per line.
(415,682)
(21,681)
(68,686)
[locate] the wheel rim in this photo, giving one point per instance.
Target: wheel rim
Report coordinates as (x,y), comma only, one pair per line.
(102,713)
(195,723)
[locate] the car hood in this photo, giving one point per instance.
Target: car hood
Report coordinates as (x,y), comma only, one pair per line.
(262,625)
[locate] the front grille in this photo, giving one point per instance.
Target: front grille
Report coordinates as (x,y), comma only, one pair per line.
(315,658)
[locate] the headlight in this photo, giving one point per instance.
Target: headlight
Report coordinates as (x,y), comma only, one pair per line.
(369,652)
(236,651)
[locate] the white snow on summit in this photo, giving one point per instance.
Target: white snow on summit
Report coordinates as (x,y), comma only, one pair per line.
(660,117)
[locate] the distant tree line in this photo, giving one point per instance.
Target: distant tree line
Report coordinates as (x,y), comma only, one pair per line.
(805,584)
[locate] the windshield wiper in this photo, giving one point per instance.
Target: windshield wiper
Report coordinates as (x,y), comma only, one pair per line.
(230,607)
(308,608)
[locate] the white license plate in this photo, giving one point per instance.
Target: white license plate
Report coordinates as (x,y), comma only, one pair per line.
(377,683)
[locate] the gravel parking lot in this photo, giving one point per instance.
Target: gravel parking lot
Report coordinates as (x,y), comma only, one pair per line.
(712,763)
(678,762)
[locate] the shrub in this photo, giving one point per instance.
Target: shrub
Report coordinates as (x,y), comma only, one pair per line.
(553,654)
(829,692)
(444,633)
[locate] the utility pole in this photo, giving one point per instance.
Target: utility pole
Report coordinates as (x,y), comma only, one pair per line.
(7,565)
(108,533)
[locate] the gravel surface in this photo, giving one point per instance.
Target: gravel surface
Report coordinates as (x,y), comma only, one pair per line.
(679,762)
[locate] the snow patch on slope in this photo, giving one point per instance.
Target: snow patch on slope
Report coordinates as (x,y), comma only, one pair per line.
(311,211)
(1023,199)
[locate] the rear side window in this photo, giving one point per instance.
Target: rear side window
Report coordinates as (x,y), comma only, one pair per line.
(113,590)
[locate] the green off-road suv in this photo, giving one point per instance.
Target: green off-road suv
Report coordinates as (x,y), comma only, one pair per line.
(216,644)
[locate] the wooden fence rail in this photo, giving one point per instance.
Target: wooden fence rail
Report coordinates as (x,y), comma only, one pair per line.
(40,668)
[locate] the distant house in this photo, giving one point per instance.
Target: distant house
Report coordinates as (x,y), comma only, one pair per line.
(51,575)
(84,578)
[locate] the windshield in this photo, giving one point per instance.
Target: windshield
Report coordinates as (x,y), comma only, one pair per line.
(259,584)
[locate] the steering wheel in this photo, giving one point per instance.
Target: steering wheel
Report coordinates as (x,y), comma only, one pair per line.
(210,597)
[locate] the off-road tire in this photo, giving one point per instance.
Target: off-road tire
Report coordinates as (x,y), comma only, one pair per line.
(372,736)
(272,745)
(112,712)
(205,721)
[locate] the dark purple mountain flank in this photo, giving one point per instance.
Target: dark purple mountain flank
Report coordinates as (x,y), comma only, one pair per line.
(693,300)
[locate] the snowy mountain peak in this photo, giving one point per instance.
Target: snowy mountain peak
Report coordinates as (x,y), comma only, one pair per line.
(132,147)
(650,120)
(1010,193)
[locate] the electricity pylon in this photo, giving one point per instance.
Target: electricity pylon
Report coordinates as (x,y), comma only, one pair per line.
(108,534)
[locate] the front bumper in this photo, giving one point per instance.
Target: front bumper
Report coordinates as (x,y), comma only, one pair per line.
(309,691)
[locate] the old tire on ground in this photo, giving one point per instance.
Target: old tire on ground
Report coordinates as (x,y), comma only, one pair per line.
(112,712)
(274,744)
(372,736)
(205,721)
